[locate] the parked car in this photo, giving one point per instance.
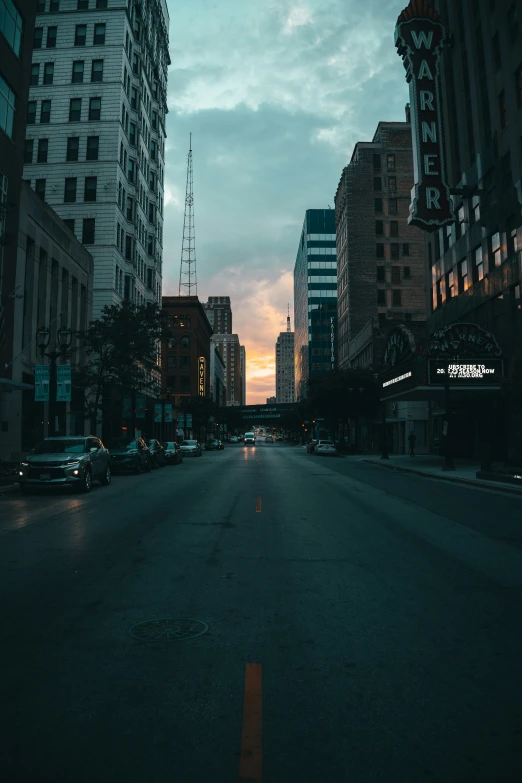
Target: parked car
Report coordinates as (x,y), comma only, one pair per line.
(250,439)
(214,445)
(157,453)
(191,448)
(173,455)
(130,455)
(66,461)
(310,447)
(233,439)
(279,437)
(325,447)
(269,439)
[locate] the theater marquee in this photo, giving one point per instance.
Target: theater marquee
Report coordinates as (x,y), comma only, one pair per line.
(419,38)
(201,376)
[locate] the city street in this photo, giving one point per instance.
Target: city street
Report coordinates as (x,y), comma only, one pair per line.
(383,610)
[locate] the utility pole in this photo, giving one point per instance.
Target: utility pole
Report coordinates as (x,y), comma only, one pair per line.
(187,272)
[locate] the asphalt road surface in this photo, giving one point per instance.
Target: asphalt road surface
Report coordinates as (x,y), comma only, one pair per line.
(359,625)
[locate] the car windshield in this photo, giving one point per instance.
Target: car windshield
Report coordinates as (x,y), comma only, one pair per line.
(189,443)
(326,443)
(169,444)
(249,435)
(61,447)
(126,445)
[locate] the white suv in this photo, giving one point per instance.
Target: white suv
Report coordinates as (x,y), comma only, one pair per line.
(250,439)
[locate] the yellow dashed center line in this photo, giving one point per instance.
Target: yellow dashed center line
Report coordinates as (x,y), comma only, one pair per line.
(258,504)
(250,765)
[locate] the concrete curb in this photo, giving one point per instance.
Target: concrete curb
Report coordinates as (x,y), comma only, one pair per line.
(457,479)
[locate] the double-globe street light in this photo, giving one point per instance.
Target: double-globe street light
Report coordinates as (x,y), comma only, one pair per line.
(439,350)
(61,350)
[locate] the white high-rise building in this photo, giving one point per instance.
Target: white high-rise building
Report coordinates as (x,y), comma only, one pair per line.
(285,374)
(95,142)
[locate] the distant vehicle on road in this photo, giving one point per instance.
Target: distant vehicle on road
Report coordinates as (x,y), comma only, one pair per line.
(130,455)
(325,447)
(233,439)
(250,439)
(157,454)
(269,439)
(66,461)
(173,455)
(214,445)
(191,448)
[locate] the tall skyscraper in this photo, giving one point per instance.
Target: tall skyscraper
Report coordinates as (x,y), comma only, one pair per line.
(229,348)
(242,359)
(315,299)
(380,257)
(219,314)
(95,146)
(285,375)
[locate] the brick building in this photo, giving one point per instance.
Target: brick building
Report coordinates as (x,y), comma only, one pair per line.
(380,258)
(16,45)
(188,340)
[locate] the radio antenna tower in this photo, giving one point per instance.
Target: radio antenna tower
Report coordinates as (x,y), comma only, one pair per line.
(188,284)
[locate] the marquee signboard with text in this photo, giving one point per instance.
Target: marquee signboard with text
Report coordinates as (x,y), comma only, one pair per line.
(201,376)
(485,372)
(419,38)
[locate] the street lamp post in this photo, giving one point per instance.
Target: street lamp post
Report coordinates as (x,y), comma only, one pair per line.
(435,348)
(64,339)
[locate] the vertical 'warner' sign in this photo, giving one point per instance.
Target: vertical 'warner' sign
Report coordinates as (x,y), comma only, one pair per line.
(419,38)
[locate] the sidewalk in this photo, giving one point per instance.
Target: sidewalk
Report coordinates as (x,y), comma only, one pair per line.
(429,465)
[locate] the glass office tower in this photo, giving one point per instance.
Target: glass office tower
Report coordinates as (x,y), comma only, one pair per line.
(315,299)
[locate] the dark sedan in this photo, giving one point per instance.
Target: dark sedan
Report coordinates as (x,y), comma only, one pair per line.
(130,455)
(66,461)
(214,445)
(173,455)
(157,453)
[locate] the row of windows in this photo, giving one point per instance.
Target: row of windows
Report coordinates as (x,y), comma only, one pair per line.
(73,148)
(393,225)
(322,265)
(11,25)
(392,206)
(390,162)
(88,224)
(80,36)
(396,297)
(172,383)
(75,110)
(7,108)
(54,5)
(321,251)
(175,321)
(378,183)
(395,250)
(77,75)
(184,362)
(395,274)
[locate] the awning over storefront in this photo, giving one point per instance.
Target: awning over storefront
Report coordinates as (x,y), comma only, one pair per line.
(6,384)
(419,393)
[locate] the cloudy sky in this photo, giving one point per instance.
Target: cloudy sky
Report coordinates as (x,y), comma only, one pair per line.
(276,93)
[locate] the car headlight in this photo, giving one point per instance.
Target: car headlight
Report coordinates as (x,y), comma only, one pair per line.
(24,464)
(133,451)
(75,464)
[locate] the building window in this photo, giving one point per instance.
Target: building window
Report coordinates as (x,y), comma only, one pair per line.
(497,58)
(478,263)
(28,151)
(69,193)
(51,37)
(97,71)
(450,284)
(45,112)
(381,274)
(89,193)
(88,231)
(40,6)
(130,207)
(35,74)
(43,147)
(132,134)
(394,250)
(70,224)
(94,108)
(185,383)
(406,272)
(390,160)
(101,5)
(75,109)
(396,274)
(381,297)
(512,22)
(154,120)
(77,71)
(37,37)
(392,206)
(396,298)
(80,35)
(376,162)
(405,249)
(379,250)
(48,73)
(131,170)
(171,362)
(394,228)
(502,110)
(99,34)
(134,98)
(92,147)
(11,25)
(185,343)
(463,276)
(7,108)
(54,6)
(377,184)
(82,5)
(185,362)
(379,228)
(378,205)
(73,145)
(496,257)
(153,150)
(40,188)
(475,203)
(392,183)
(152,182)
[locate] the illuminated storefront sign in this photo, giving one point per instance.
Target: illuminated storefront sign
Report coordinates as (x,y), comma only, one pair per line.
(419,38)
(476,373)
(201,376)
(397,379)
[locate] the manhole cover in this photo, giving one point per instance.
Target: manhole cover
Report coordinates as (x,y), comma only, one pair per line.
(168,628)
